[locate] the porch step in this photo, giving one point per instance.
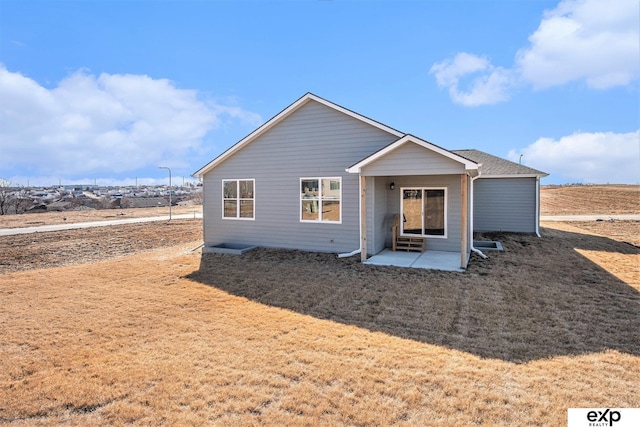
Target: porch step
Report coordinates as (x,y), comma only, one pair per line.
(414,244)
(405,243)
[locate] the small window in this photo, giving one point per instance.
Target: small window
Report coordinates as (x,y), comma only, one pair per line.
(320,200)
(238,198)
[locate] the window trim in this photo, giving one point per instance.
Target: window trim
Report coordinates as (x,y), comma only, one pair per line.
(320,200)
(238,199)
(446,217)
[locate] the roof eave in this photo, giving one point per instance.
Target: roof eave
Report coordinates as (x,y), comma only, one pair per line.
(517,175)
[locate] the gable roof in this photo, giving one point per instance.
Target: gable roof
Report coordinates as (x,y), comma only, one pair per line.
(468,163)
(497,167)
(281,116)
(490,166)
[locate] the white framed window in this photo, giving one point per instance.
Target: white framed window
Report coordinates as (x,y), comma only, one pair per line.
(321,200)
(238,199)
(424,212)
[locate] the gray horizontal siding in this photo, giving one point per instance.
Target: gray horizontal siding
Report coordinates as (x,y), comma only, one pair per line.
(504,204)
(314,141)
(454,206)
(378,222)
(413,159)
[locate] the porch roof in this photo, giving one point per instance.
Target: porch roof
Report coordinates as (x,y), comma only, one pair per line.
(469,165)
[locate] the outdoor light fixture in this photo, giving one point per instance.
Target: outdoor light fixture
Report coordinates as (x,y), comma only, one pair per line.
(392,186)
(164,167)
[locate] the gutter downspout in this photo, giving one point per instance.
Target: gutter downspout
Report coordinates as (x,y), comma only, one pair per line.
(538,206)
(476,250)
(348,254)
(359,250)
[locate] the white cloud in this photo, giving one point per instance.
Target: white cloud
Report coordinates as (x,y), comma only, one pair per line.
(594,41)
(110,123)
(590,158)
(489,84)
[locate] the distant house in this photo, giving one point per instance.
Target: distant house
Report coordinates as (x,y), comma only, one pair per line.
(320,177)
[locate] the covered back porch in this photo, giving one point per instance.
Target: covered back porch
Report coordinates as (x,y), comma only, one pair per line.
(428,189)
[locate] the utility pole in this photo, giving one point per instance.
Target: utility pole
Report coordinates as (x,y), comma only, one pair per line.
(164,167)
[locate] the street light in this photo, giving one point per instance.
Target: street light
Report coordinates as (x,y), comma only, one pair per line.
(164,167)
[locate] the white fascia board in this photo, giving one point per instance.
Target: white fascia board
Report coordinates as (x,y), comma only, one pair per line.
(468,164)
(253,135)
(515,176)
(278,118)
(355,115)
(475,173)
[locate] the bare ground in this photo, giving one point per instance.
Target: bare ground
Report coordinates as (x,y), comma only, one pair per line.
(58,248)
(90,215)
(590,200)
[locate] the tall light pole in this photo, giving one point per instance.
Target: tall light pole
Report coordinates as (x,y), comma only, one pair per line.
(164,167)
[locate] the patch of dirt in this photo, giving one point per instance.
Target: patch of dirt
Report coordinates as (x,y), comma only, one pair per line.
(57,248)
(69,217)
(590,200)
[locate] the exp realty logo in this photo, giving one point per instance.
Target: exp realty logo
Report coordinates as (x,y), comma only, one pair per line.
(604,417)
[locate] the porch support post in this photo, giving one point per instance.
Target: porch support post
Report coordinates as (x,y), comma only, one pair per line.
(363,218)
(464,222)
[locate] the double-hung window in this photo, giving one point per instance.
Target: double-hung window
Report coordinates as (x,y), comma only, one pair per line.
(320,200)
(238,198)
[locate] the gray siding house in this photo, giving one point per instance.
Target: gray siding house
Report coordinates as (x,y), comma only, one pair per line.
(319,177)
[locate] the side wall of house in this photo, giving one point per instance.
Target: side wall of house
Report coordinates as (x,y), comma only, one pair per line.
(315,141)
(504,204)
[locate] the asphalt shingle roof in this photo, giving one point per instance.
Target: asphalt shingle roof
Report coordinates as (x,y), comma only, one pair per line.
(497,166)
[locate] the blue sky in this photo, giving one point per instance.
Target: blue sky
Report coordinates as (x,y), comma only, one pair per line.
(106,91)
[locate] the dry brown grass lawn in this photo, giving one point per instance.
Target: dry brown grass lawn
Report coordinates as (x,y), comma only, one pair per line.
(130,328)
(623,231)
(288,338)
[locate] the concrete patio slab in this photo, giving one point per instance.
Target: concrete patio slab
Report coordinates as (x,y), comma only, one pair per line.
(396,259)
(434,260)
